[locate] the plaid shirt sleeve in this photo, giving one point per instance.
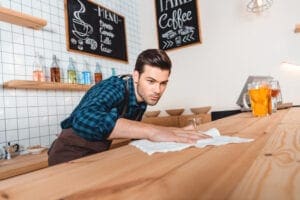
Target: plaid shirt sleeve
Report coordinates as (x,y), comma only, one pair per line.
(96,115)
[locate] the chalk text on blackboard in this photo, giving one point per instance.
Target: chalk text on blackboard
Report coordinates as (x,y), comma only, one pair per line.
(94,29)
(108,15)
(166,4)
(176,21)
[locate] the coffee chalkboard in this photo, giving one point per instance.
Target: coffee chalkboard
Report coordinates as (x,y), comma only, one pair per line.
(95,30)
(177,23)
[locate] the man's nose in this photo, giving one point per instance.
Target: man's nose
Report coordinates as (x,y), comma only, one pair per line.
(157,88)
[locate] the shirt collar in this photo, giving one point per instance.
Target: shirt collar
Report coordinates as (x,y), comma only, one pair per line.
(132,97)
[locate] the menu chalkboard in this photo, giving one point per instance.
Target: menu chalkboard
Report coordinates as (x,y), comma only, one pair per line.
(177,23)
(95,30)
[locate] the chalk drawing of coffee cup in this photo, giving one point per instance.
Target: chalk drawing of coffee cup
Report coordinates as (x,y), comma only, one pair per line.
(178,40)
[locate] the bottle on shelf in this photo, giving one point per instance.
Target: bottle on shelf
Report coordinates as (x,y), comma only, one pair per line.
(38,74)
(98,73)
(7,151)
(44,68)
(113,71)
(86,74)
(55,71)
(71,71)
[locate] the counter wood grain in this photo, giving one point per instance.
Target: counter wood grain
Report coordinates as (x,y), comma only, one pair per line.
(267,168)
(23,164)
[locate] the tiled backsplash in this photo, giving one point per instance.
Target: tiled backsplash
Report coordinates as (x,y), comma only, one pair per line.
(31,117)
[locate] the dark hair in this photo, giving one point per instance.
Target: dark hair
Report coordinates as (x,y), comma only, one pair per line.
(154,57)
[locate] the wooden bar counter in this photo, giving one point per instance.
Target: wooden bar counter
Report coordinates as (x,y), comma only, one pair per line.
(268,168)
(23,164)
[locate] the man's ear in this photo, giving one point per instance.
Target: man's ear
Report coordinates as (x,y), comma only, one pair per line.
(136,76)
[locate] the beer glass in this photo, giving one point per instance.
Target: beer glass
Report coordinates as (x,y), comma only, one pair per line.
(275,90)
(195,122)
(260,98)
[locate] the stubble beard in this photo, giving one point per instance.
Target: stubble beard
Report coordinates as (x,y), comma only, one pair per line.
(145,99)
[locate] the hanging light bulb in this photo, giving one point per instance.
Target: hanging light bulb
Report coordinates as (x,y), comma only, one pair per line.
(258,6)
(259,3)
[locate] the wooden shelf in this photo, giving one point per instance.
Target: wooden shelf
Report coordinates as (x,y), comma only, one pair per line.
(297,28)
(18,18)
(21,84)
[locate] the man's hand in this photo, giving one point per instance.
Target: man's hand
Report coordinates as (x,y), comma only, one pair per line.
(138,130)
(172,134)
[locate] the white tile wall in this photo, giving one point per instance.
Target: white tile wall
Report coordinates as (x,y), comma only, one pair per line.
(10,113)
(32,117)
(2,136)
(23,123)
(11,124)
(2,125)
(23,133)
(12,135)
(1,113)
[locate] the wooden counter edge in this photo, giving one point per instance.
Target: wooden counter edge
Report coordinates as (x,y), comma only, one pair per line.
(24,167)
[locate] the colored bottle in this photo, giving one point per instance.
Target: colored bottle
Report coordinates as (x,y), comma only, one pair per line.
(55,71)
(71,72)
(113,71)
(86,75)
(98,73)
(38,74)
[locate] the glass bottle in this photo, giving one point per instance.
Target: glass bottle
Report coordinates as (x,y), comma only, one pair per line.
(38,74)
(55,72)
(44,68)
(113,71)
(98,73)
(86,75)
(71,71)
(7,151)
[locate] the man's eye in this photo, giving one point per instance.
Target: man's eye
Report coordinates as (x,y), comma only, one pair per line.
(151,81)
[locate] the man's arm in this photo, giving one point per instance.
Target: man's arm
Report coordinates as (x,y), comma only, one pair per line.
(125,128)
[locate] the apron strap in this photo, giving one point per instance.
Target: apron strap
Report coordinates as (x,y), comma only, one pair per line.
(125,77)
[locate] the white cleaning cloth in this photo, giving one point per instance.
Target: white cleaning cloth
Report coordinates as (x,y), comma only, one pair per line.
(150,147)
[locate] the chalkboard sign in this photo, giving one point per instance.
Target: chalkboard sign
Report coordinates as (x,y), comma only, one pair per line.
(95,30)
(177,23)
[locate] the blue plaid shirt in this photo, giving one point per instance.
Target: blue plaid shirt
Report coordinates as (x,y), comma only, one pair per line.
(95,116)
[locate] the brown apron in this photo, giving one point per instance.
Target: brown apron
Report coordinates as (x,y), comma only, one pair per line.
(69,146)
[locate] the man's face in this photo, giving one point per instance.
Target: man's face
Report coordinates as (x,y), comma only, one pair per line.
(151,84)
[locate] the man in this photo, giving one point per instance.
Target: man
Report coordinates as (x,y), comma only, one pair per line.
(113,108)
